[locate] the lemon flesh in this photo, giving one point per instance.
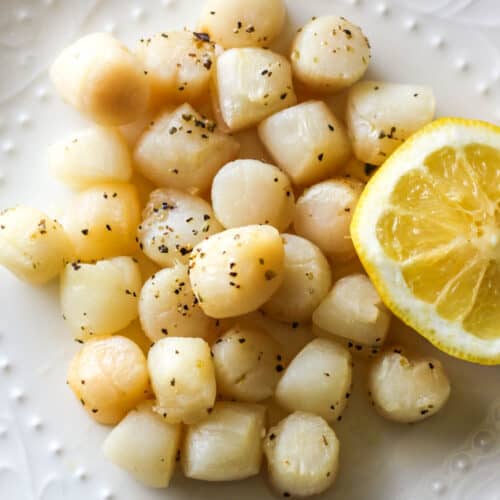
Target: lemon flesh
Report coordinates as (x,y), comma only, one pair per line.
(427,229)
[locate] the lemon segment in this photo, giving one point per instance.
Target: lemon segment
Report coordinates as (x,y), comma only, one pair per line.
(427,230)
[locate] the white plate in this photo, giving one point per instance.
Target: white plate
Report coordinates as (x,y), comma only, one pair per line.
(49,449)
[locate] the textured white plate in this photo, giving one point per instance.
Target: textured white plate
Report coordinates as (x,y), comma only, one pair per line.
(49,449)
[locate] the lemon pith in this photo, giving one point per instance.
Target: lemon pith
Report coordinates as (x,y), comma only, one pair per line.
(427,229)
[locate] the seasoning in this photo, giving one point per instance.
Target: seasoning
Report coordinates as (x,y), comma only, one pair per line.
(320,156)
(269,275)
(172,130)
(85,232)
(279,368)
(369,168)
(283,96)
(204,37)
(331,127)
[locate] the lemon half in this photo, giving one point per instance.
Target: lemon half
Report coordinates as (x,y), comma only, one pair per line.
(427,230)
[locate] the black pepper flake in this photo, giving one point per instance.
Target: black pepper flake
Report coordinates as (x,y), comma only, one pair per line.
(172,382)
(269,275)
(326,374)
(204,136)
(189,219)
(339,418)
(381,135)
(279,368)
(288,193)
(369,168)
(239,24)
(331,127)
(431,366)
(210,410)
(115,195)
(283,96)
(350,345)
(358,347)
(233,274)
(286,494)
(295,324)
(424,412)
(261,261)
(275,179)
(164,35)
(250,29)
(204,37)
(347,209)
(164,331)
(82,401)
(376,87)
(278,357)
(207,63)
(348,33)
(264,72)
(242,340)
(180,88)
(321,156)
(108,227)
(85,232)
(172,130)
(272,436)
(232,264)
(94,410)
(163,249)
(415,95)
(75,266)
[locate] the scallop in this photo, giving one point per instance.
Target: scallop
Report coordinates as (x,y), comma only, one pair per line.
(329,54)
(101,78)
(243,23)
(307,280)
(246,192)
(323,215)
(405,390)
(236,271)
(174,222)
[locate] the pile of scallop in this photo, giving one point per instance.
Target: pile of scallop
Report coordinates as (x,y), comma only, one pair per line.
(205,260)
